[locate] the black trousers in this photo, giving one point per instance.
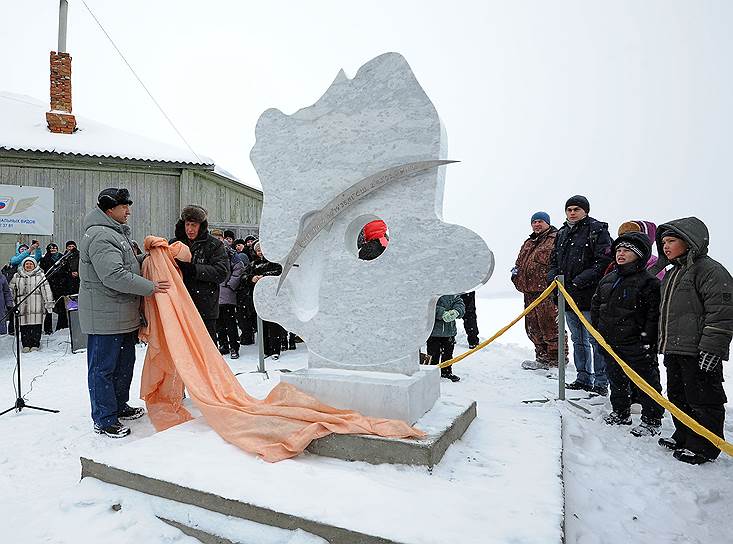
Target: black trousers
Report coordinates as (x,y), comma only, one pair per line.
(63,321)
(700,395)
(624,392)
(440,349)
(30,336)
(273,335)
(226,328)
(469,318)
(247,325)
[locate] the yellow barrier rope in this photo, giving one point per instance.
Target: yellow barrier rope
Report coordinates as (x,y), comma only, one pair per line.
(693,425)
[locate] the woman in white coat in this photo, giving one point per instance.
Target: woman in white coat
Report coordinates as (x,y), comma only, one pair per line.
(32,310)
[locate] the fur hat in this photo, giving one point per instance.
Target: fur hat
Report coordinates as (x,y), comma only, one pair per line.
(238,241)
(629,226)
(229,234)
(580,201)
(70,242)
(112,197)
(194,214)
(217,232)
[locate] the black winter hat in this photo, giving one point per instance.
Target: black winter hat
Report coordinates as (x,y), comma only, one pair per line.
(70,242)
(229,234)
(49,246)
(250,237)
(238,241)
(580,201)
(194,214)
(637,242)
(111,197)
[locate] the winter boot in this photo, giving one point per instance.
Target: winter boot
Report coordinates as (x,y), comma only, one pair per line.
(448,374)
(578,386)
(535,365)
(690,457)
(128,413)
(234,355)
(473,342)
(116,430)
(223,350)
(601,390)
(291,342)
(615,418)
(669,443)
(647,427)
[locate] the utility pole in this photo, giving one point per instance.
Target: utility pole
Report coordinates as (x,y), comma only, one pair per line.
(63,11)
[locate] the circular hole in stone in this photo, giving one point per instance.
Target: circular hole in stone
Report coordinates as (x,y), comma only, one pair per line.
(367,237)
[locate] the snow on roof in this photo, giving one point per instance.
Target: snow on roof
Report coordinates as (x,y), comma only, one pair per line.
(23,128)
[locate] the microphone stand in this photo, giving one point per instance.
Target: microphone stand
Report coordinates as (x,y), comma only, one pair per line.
(20,401)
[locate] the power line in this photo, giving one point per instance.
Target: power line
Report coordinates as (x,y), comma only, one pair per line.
(140,81)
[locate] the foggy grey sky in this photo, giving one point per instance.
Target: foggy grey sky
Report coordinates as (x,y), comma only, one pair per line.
(627,102)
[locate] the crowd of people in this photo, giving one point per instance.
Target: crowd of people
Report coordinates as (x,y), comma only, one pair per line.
(21,277)
(677,304)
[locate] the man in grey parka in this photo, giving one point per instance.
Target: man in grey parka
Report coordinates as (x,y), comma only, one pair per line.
(109,309)
(695,330)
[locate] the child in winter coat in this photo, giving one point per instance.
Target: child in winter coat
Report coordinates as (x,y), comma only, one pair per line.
(625,310)
(443,337)
(695,331)
(33,309)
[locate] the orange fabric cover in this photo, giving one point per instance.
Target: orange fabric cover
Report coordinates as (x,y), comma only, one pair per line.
(181,352)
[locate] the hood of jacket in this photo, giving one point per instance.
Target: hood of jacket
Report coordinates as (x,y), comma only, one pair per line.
(97,218)
(23,272)
(690,229)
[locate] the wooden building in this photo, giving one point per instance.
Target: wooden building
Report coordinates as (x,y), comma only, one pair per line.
(161,178)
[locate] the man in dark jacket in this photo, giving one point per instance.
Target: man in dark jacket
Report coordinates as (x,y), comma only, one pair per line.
(209,264)
(695,330)
(625,310)
(582,253)
(58,281)
(529,276)
(72,263)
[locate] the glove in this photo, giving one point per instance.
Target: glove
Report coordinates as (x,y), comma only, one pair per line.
(185,267)
(450,315)
(708,362)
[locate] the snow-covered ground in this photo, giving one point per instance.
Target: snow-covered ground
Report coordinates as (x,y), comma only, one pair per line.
(618,488)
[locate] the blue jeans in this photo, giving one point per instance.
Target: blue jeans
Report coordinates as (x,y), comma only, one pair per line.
(110,360)
(591,369)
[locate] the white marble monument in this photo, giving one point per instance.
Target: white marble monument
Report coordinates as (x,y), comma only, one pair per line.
(363,321)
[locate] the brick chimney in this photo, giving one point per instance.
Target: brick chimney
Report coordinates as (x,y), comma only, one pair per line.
(59,119)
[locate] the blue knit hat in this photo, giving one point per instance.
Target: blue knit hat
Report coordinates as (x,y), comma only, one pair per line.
(542,216)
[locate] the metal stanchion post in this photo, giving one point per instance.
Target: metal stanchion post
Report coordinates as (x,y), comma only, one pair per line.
(561,339)
(261,345)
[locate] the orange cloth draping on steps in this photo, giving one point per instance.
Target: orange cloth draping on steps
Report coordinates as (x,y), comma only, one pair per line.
(181,352)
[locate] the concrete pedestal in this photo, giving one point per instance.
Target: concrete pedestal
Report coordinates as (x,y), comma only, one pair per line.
(375,394)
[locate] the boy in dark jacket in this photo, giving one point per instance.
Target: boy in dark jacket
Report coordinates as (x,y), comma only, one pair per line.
(443,337)
(625,310)
(695,330)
